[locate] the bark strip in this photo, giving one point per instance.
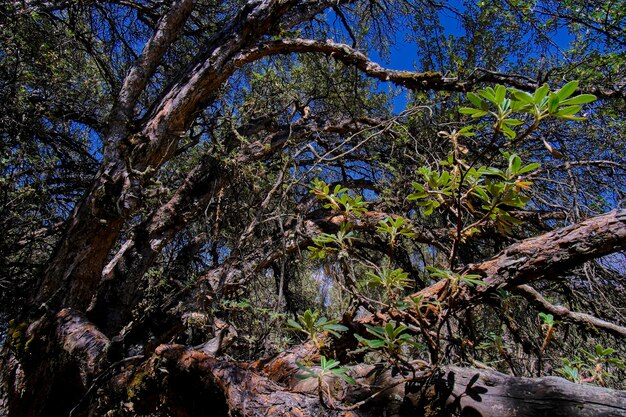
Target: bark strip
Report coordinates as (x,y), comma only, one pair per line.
(537,300)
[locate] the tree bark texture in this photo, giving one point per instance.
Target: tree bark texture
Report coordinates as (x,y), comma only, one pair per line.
(548,256)
(77,349)
(56,359)
(271,389)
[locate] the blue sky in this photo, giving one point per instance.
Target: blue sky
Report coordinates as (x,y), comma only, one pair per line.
(403,55)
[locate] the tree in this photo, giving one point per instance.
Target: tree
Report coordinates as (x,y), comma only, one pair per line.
(185,180)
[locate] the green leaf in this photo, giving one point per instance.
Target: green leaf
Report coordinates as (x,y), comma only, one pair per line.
(347,378)
(553,103)
(523,96)
(336,327)
(512,122)
(467,131)
(474,112)
(475,100)
(576,118)
(500,93)
(444,178)
(567,90)
(541,93)
(514,164)
(581,99)
(295,325)
(528,168)
(599,350)
(568,111)
(479,114)
(489,94)
(418,187)
(473,281)
(508,132)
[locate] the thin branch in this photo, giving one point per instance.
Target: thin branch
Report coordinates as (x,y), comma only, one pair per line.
(537,300)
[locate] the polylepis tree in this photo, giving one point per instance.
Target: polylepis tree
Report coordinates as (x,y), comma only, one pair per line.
(188,184)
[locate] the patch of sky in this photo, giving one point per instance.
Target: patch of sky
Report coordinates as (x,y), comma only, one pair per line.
(325,283)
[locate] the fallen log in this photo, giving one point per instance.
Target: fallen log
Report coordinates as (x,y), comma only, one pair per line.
(270,389)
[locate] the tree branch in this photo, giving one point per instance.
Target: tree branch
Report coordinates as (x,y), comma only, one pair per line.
(549,255)
(166,32)
(537,300)
(546,256)
(412,80)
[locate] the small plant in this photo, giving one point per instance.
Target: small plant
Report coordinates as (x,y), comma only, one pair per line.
(328,368)
(395,227)
(488,192)
(570,372)
(339,199)
(311,324)
(454,278)
(434,192)
(425,307)
(592,367)
(389,339)
(547,326)
(326,243)
(392,280)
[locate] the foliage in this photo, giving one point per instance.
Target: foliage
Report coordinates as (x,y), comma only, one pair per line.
(390,280)
(311,324)
(327,368)
(327,243)
(592,367)
(339,200)
(395,227)
(455,278)
(388,339)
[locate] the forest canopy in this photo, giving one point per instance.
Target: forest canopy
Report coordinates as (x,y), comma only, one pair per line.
(312,208)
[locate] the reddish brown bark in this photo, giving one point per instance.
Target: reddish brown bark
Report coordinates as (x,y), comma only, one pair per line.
(131,156)
(549,256)
(563,313)
(268,389)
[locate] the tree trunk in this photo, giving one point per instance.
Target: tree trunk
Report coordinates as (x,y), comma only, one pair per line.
(489,393)
(271,389)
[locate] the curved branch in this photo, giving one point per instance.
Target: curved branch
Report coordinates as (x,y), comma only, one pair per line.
(546,256)
(418,81)
(536,299)
(166,32)
(549,255)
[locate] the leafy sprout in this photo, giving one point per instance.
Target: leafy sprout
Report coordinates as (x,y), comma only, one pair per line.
(311,324)
(503,103)
(339,200)
(391,280)
(327,368)
(455,278)
(389,339)
(395,227)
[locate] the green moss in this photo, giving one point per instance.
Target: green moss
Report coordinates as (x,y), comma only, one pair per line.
(137,384)
(431,74)
(17,337)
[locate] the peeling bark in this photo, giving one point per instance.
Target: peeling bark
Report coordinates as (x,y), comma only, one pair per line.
(546,256)
(270,389)
(537,300)
(490,393)
(83,342)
